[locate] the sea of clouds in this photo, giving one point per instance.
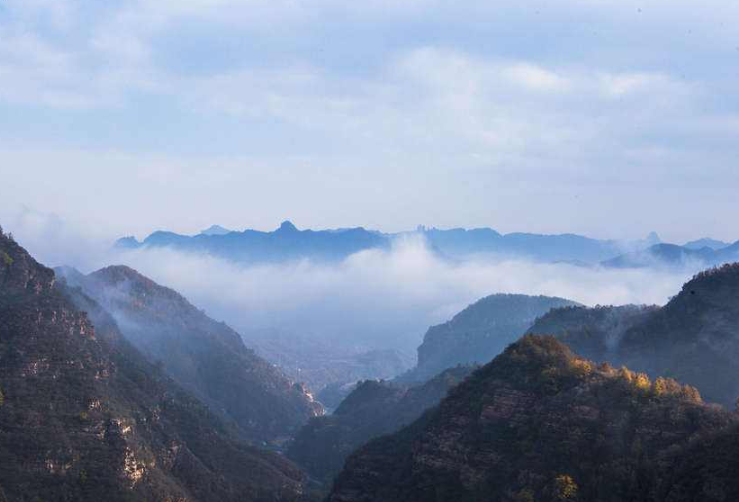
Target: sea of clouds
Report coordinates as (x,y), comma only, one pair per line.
(373,299)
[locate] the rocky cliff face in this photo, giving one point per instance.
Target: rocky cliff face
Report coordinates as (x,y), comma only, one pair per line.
(84,417)
(539,423)
(374,408)
(694,338)
(205,356)
(479,332)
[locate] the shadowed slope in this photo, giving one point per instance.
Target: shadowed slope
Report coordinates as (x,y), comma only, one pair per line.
(85,417)
(205,356)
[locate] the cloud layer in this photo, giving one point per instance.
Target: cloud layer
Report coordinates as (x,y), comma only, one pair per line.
(382,299)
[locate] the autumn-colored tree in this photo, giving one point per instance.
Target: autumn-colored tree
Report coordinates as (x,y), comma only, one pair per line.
(566,488)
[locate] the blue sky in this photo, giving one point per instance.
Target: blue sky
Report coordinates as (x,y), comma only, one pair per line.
(604,117)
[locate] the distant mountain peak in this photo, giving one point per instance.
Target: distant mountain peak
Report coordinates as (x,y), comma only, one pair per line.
(118,273)
(706,242)
(129,242)
(216,230)
(287,226)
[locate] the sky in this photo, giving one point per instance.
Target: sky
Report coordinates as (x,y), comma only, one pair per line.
(609,118)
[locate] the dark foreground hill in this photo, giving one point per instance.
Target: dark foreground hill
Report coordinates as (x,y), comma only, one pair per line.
(85,417)
(373,409)
(694,338)
(540,424)
(204,356)
(479,332)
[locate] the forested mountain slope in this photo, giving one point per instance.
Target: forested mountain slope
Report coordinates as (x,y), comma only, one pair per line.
(205,356)
(539,423)
(85,417)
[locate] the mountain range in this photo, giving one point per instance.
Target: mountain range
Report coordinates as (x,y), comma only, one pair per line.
(289,243)
(673,256)
(252,246)
(693,338)
(84,416)
(115,387)
(204,356)
(541,424)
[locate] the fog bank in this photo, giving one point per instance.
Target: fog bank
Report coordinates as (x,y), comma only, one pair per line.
(381,299)
(373,299)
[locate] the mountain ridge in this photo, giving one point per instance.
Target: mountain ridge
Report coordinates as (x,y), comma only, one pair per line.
(290,243)
(692,338)
(374,408)
(479,332)
(85,417)
(540,423)
(204,356)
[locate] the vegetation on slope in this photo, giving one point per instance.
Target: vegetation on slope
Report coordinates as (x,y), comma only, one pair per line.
(86,417)
(206,357)
(373,409)
(538,423)
(479,332)
(694,338)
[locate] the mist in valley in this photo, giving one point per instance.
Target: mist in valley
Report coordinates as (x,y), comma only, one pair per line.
(376,303)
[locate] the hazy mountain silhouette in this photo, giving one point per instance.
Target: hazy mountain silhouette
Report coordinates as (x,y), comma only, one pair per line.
(479,332)
(216,230)
(253,246)
(706,242)
(289,243)
(206,357)
(674,256)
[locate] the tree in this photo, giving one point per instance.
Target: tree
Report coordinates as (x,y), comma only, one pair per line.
(566,487)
